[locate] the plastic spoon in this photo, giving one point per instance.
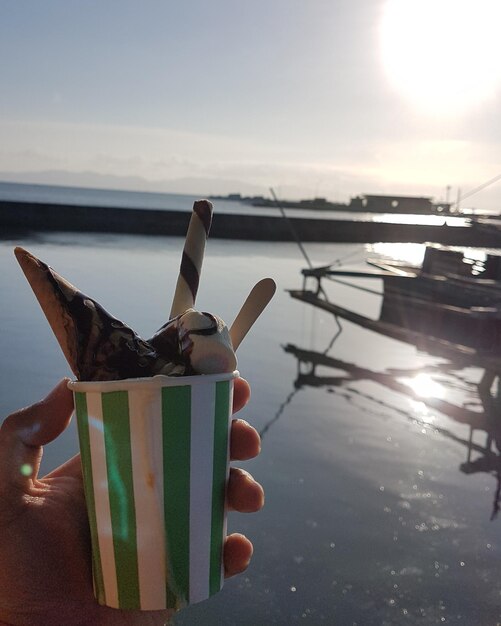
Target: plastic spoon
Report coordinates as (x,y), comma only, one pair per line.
(252,308)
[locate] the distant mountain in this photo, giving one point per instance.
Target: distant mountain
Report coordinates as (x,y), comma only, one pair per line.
(187,185)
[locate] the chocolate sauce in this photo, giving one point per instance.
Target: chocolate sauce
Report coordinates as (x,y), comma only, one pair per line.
(210,330)
(190,274)
(175,340)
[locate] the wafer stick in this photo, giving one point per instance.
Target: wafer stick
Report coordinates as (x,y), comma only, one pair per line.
(193,254)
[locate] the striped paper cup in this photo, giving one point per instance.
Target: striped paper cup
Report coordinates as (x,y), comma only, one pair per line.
(155,459)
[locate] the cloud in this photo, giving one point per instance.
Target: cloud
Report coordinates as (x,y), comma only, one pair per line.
(26,160)
(158,159)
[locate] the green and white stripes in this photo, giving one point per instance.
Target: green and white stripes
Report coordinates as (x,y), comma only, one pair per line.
(155,465)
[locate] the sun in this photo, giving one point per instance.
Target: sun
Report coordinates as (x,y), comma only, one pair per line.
(442,55)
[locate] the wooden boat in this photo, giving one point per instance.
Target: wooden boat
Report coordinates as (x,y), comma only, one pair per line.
(450,305)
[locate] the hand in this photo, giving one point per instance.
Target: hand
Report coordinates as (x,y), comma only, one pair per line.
(45,554)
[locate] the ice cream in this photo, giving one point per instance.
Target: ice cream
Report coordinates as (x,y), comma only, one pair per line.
(201,342)
(100,347)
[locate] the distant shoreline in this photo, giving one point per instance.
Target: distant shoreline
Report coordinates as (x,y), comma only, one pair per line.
(39,217)
(365,203)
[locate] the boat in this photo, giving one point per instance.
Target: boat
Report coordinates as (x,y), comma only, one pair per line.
(448,306)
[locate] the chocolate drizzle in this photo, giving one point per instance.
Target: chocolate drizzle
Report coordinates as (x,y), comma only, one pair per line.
(190,274)
(167,340)
(210,330)
(175,338)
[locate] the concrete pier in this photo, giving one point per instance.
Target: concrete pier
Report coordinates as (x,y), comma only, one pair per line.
(34,217)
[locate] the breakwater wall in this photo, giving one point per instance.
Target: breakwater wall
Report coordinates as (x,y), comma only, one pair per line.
(34,217)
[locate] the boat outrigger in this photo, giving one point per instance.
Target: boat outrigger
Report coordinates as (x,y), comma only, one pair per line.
(450,306)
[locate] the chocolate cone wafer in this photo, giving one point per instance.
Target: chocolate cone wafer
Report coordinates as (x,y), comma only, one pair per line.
(96,345)
(48,290)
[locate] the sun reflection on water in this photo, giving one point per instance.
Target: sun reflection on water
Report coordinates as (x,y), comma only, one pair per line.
(412,253)
(424,386)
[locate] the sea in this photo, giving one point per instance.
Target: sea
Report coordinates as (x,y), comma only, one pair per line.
(380,507)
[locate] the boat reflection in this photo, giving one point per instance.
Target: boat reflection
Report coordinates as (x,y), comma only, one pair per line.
(427,388)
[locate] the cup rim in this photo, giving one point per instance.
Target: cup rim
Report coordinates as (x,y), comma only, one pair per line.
(153,382)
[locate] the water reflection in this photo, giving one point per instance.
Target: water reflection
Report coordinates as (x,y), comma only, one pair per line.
(427,391)
(424,386)
(411,253)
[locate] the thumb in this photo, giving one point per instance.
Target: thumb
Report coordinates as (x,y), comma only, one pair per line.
(23,434)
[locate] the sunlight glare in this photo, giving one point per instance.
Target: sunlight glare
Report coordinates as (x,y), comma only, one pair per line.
(443,55)
(411,253)
(424,386)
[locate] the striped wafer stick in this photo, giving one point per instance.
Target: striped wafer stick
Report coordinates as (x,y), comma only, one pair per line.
(193,254)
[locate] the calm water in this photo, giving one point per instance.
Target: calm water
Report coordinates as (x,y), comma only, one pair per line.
(375,512)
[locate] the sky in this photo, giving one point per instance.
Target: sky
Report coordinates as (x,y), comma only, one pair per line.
(330,98)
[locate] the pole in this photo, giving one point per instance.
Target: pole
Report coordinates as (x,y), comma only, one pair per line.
(291,228)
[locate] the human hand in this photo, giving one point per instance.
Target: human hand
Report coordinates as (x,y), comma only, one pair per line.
(45,554)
